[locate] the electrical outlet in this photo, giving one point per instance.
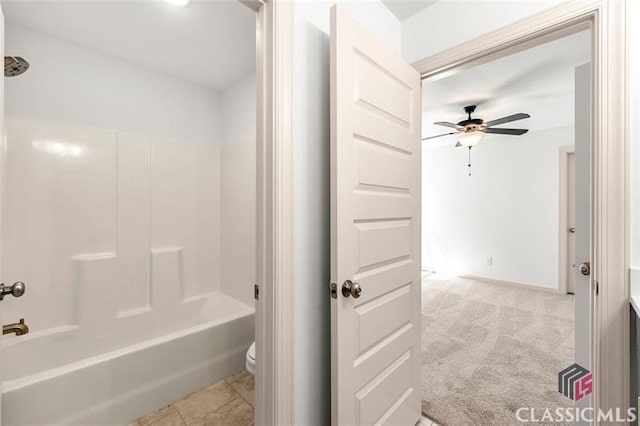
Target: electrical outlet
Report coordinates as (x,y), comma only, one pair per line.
(488,260)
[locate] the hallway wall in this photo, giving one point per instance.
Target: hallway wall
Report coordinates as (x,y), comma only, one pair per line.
(449,23)
(311,198)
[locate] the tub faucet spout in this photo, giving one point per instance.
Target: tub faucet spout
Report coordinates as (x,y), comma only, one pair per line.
(19,328)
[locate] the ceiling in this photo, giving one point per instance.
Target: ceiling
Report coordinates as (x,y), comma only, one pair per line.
(538,81)
(207,43)
(404,9)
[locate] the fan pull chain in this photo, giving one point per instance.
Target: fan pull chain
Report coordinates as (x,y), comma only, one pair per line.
(469,165)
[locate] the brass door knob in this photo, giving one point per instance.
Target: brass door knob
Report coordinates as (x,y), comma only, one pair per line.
(349,288)
(585,268)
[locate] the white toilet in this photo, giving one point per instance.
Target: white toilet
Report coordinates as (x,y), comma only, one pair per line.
(251,359)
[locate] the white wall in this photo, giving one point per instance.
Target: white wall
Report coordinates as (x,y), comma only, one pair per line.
(311,185)
(238,184)
(448,23)
(72,85)
(68,87)
(75,87)
(507,209)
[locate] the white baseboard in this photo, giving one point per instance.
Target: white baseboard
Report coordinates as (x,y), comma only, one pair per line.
(510,283)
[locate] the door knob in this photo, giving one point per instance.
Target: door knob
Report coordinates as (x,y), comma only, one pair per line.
(585,268)
(350,288)
(16,290)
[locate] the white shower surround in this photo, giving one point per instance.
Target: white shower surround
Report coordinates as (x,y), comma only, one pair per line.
(140,280)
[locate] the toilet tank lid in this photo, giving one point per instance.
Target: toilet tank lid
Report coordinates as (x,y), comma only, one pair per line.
(252,351)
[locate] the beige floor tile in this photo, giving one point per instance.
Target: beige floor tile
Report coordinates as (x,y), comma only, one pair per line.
(237,413)
(199,404)
(237,376)
(245,386)
(155,416)
(173,419)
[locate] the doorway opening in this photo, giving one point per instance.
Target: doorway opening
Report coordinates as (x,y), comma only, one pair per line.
(498,324)
(129,210)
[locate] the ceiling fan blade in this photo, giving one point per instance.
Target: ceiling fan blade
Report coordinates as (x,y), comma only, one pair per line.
(448,124)
(507,119)
(498,131)
(438,136)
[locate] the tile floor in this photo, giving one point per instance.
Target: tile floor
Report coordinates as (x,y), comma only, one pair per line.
(228,402)
(225,403)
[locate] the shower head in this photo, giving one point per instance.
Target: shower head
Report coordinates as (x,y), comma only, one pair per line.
(14,65)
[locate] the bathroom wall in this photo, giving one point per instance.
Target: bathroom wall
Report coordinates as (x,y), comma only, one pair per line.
(114,200)
(72,85)
(106,93)
(115,234)
(238,186)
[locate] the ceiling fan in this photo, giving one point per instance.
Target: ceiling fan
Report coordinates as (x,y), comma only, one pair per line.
(470,131)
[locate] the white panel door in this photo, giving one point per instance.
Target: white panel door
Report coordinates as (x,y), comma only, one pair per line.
(583,283)
(375,230)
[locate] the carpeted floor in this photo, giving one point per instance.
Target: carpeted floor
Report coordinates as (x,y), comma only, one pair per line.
(488,349)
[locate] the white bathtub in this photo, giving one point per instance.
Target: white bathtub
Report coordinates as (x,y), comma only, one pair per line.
(121,385)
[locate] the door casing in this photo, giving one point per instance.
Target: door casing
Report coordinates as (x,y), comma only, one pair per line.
(610,145)
(2,174)
(611,111)
(274,211)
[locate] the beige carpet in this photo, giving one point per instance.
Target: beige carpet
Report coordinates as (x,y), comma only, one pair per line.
(488,349)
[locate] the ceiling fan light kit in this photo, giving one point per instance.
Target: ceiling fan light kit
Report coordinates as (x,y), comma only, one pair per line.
(470,139)
(470,131)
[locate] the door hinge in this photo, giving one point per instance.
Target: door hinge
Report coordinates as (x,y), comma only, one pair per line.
(256,291)
(334,290)
(596,287)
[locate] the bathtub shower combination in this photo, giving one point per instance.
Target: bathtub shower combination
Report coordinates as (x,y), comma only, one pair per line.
(135,241)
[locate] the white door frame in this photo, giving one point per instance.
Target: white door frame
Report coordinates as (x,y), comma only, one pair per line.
(274,208)
(610,145)
(563,208)
(612,105)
